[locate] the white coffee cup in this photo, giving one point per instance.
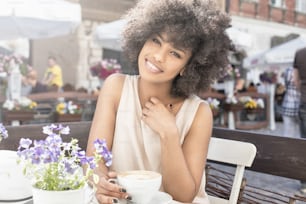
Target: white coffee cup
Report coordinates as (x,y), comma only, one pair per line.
(141,185)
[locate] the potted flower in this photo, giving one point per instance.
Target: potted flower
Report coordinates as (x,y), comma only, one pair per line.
(104,68)
(230,73)
(68,112)
(54,166)
(268,77)
(18,110)
(252,106)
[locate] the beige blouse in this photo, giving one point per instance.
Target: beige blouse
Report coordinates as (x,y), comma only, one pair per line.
(135,145)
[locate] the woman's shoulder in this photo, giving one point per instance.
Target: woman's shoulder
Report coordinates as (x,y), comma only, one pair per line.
(114,82)
(203,106)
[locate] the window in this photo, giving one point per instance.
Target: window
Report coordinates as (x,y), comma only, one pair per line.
(277,3)
(300,6)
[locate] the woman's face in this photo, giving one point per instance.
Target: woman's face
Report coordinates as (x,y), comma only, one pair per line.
(160,61)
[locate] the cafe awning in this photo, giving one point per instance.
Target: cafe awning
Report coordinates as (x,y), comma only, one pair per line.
(35,19)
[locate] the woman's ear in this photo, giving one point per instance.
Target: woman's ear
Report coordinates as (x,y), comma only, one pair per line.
(182,71)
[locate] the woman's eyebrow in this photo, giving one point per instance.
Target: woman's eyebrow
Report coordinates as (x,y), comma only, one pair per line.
(172,44)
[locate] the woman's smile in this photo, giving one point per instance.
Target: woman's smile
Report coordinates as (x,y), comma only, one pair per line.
(151,67)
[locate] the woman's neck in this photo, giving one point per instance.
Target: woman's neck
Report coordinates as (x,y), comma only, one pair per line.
(147,90)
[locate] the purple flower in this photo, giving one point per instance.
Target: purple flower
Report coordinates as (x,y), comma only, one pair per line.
(54,163)
(91,162)
(82,156)
(69,166)
(3,132)
(24,143)
(49,129)
(101,149)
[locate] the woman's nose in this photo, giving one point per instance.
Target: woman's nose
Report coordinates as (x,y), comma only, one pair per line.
(160,55)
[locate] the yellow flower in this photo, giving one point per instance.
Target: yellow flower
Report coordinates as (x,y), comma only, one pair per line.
(250,104)
(60,108)
(33,105)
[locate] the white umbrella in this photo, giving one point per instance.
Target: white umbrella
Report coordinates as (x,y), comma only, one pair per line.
(281,55)
(37,18)
(284,53)
(108,35)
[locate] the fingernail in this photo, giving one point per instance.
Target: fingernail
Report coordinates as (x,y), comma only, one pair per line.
(123,190)
(128,197)
(115,200)
(112,181)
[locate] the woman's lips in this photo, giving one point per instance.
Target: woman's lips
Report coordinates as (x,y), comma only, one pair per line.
(152,68)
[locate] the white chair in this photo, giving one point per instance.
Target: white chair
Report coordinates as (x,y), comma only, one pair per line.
(232,152)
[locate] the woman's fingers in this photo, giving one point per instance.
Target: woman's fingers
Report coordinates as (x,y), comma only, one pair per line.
(105,199)
(109,188)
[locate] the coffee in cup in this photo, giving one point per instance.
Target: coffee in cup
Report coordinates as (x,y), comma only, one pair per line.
(141,185)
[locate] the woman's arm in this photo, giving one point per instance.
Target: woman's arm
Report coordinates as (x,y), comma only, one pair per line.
(182,165)
(103,125)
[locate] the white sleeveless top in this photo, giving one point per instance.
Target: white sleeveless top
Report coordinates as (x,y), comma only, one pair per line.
(135,145)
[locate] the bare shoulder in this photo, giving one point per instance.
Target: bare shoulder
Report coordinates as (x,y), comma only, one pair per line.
(113,84)
(112,88)
(204,112)
(203,122)
(114,81)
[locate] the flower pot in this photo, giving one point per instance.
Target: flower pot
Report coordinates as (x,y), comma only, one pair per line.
(251,116)
(67,117)
(58,197)
(17,115)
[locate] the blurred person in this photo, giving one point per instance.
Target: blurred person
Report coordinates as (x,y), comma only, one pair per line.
(280,90)
(299,75)
(290,105)
(53,75)
(179,49)
(32,80)
(240,86)
(252,88)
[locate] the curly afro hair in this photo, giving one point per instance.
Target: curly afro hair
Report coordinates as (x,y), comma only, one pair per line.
(192,24)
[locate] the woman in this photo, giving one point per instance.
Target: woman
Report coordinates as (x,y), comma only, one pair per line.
(153,120)
(290,105)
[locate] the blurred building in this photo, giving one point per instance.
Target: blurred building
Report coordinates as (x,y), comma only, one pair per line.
(270,22)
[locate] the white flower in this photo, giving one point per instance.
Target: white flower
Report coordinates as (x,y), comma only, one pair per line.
(213,103)
(24,101)
(260,103)
(8,104)
(231,100)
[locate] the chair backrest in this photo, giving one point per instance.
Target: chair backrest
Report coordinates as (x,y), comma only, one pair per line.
(240,154)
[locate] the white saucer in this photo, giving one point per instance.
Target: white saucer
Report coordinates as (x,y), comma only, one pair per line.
(161,198)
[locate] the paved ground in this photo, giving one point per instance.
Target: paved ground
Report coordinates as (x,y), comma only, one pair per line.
(269,182)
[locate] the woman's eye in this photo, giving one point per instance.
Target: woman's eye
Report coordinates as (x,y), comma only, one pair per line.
(175,54)
(155,40)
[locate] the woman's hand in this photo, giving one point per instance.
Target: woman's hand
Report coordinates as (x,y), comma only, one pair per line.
(158,117)
(108,191)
